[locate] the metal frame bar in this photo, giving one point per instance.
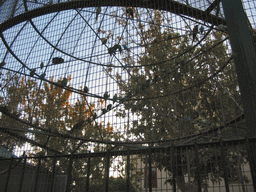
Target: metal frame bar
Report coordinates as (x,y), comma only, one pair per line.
(8,175)
(245,59)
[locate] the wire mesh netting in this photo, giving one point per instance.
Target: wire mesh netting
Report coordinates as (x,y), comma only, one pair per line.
(113,95)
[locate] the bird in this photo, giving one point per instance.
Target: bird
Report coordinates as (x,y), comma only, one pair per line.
(2,64)
(111,51)
(42,65)
(109,107)
(122,100)
(106,96)
(104,110)
(89,120)
(169,37)
(57,60)
(114,98)
(98,10)
(77,126)
(183,62)
(201,29)
(125,66)
(147,83)
(64,82)
(156,78)
(42,76)
(32,72)
(86,89)
(94,116)
(104,41)
(117,46)
(129,12)
(195,32)
(125,47)
(4,109)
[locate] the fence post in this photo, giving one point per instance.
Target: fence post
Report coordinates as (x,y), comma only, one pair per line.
(173,167)
(224,165)
(107,171)
(37,172)
(128,171)
(53,172)
(23,173)
(69,180)
(8,175)
(252,161)
(198,176)
(88,172)
(150,169)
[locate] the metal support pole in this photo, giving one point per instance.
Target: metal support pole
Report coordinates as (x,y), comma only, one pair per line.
(53,172)
(107,171)
(88,172)
(128,172)
(150,169)
(198,175)
(23,173)
(249,147)
(37,173)
(8,174)
(173,167)
(224,165)
(245,62)
(69,180)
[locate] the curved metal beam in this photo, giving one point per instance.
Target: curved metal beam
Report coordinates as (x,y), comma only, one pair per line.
(165,5)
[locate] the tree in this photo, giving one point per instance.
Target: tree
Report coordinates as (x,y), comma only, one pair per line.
(50,117)
(176,88)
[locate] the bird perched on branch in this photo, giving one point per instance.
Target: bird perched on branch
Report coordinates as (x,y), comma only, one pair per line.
(2,64)
(42,76)
(106,96)
(77,126)
(86,89)
(109,107)
(111,51)
(201,29)
(195,32)
(57,60)
(129,12)
(125,47)
(104,41)
(114,98)
(98,10)
(64,82)
(32,72)
(42,65)
(117,47)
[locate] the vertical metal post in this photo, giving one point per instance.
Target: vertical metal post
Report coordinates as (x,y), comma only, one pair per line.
(69,180)
(224,165)
(249,146)
(173,167)
(88,172)
(245,59)
(8,174)
(23,173)
(37,173)
(150,169)
(53,172)
(198,176)
(107,171)
(128,172)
